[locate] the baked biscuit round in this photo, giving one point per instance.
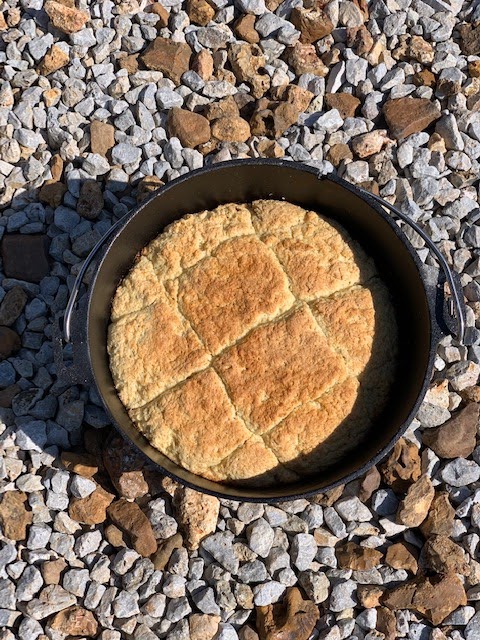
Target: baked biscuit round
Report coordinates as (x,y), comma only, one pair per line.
(254,343)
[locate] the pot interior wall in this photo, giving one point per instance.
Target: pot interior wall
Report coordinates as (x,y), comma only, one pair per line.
(245,182)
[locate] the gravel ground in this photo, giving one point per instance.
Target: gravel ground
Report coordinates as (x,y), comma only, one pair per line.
(102,102)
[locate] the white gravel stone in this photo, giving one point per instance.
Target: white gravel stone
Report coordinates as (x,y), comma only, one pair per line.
(260,537)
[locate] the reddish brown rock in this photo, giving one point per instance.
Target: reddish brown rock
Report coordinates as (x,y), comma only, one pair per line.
(203,626)
(413,509)
(162,13)
(116,537)
(14,517)
(90,202)
(52,570)
(202,63)
(402,467)
(369,484)
(442,555)
(387,623)
(102,137)
(130,63)
(190,128)
(231,129)
(345,103)
(65,19)
(165,549)
(303,58)
(9,343)
(12,306)
(401,597)
(437,597)
(197,515)
(405,116)
(130,518)
(147,186)
(440,516)
(200,12)
(270,149)
(369,595)
(92,509)
(367,144)
(359,39)
(244,29)
(298,97)
(470,39)
(293,618)
(313,24)
(75,621)
(402,556)
(457,437)
(274,120)
(83,464)
(125,468)
(225,108)
(52,193)
(353,556)
(329,498)
(338,153)
(247,633)
(169,57)
(25,257)
(54,60)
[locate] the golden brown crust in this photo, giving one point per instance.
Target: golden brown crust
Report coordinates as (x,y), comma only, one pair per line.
(253,343)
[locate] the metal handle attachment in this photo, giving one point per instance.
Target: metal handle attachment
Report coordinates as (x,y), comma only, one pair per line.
(456,307)
(67,318)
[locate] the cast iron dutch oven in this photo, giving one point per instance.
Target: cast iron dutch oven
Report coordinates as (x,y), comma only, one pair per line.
(418,293)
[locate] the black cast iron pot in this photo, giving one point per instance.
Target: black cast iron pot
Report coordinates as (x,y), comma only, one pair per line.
(418,294)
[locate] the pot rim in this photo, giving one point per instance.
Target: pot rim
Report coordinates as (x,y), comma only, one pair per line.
(434,331)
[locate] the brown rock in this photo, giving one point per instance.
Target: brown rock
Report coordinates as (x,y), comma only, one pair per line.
(413,509)
(9,343)
(471,394)
(227,107)
(130,518)
(247,633)
(52,570)
(54,60)
(473,102)
(387,623)
(125,468)
(474,69)
(244,29)
(369,595)
(14,517)
(130,63)
(345,103)
(338,153)
(424,78)
(405,116)
(313,24)
(284,116)
(437,597)
(363,6)
(92,509)
(440,517)
(370,483)
(162,13)
(402,467)
(203,64)
(203,626)
(25,257)
(200,12)
(3,22)
(359,39)
(52,193)
(165,549)
(51,96)
(102,137)
(247,62)
(56,167)
(197,515)
(470,39)
(75,621)
(65,19)
(457,437)
(298,97)
(414,48)
(353,556)
(231,129)
(83,464)
(303,58)
(169,57)
(368,144)
(329,498)
(116,537)
(293,618)
(90,202)
(8,394)
(190,128)
(12,306)
(402,556)
(442,555)
(437,143)
(270,149)
(147,186)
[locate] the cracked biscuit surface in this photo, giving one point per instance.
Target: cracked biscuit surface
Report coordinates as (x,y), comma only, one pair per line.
(254,343)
